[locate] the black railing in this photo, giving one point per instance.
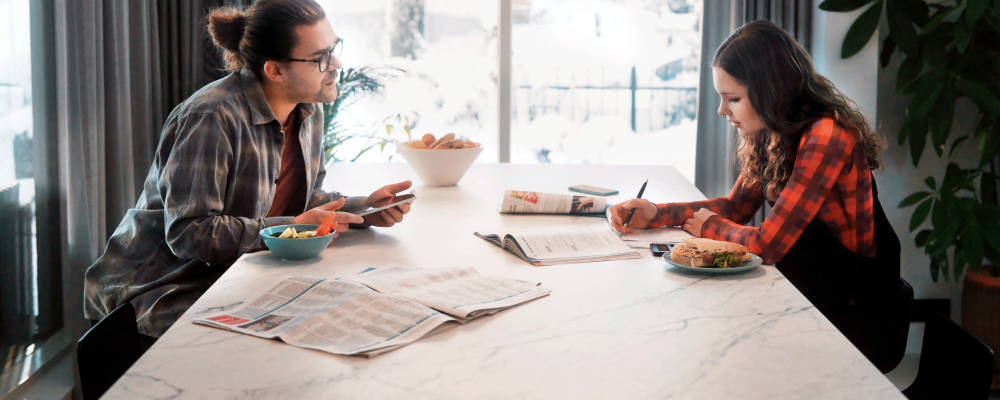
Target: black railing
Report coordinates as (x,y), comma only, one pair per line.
(673,104)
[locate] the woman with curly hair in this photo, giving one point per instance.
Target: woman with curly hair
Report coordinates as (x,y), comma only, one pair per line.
(806,150)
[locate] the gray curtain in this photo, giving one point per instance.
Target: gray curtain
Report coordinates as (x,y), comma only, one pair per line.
(120,67)
(715,173)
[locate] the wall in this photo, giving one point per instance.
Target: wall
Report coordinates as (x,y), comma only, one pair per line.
(873,88)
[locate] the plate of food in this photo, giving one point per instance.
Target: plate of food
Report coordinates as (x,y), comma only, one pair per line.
(707,256)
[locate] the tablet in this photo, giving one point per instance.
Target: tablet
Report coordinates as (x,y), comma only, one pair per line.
(403,199)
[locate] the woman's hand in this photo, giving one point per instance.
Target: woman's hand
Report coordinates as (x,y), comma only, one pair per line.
(316,215)
(693,225)
(645,212)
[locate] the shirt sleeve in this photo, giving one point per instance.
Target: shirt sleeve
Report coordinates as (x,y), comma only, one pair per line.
(741,204)
(823,153)
(192,183)
(318,196)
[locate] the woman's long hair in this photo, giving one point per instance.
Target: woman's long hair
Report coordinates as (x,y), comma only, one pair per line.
(788,95)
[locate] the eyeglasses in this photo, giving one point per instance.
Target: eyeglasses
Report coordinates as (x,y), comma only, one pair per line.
(325,59)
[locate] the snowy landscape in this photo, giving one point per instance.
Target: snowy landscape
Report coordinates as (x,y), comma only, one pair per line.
(573,83)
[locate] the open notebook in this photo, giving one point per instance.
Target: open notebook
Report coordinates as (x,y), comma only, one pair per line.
(565,246)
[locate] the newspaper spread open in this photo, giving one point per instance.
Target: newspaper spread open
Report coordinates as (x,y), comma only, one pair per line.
(520,201)
(350,316)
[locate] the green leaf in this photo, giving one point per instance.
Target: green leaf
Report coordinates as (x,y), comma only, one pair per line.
(904,132)
(954,145)
(941,117)
(936,20)
(921,238)
(988,194)
(922,82)
(990,148)
(935,269)
(918,139)
(842,5)
(931,183)
(959,260)
(407,129)
(888,47)
(908,71)
(992,20)
(902,29)
(920,214)
(916,10)
(974,9)
(388,129)
(935,55)
(861,30)
(990,215)
(923,102)
(963,34)
(913,199)
(972,241)
(981,94)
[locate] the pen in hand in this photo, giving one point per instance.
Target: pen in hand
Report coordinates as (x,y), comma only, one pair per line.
(632,211)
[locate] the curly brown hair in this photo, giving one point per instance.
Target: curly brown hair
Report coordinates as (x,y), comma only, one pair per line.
(789,96)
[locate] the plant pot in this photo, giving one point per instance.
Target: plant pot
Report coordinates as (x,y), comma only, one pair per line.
(981,309)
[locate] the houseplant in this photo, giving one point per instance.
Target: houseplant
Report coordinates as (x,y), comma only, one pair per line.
(951,50)
(352,86)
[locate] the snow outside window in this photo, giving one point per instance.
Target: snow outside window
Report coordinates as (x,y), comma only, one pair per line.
(593,81)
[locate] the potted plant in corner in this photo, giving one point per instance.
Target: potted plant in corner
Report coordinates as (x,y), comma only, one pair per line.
(951,50)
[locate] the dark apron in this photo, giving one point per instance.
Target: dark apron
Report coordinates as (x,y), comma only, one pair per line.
(857,294)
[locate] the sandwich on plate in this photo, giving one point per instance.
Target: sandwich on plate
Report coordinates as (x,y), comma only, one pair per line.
(708,253)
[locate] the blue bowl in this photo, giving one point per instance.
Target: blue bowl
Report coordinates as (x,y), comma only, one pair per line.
(295,249)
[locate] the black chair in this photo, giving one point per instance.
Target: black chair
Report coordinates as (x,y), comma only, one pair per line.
(107,350)
(954,364)
(899,329)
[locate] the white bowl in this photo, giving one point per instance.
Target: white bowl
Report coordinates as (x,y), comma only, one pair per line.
(439,167)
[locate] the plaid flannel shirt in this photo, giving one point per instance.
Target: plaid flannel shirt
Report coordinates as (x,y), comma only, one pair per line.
(830,181)
(204,202)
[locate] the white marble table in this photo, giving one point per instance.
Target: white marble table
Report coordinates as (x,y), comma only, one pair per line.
(625,329)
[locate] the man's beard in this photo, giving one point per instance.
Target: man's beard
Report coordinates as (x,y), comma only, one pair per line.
(303,93)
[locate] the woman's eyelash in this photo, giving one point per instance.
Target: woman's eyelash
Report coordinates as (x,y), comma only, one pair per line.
(734,100)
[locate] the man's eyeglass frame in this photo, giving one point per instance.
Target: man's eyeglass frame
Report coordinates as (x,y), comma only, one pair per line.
(324,60)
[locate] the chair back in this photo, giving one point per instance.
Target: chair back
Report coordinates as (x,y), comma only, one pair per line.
(107,350)
(899,328)
(953,363)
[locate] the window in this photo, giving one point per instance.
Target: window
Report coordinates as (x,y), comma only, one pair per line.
(605,82)
(447,53)
(593,81)
(30,291)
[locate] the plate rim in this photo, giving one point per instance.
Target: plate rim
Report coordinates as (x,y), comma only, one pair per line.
(753,257)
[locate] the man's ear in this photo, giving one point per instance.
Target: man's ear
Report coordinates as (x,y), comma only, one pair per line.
(274,71)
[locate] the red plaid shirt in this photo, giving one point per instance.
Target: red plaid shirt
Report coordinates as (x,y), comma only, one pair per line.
(830,181)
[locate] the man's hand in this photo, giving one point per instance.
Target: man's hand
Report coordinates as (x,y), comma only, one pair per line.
(642,219)
(315,216)
(693,225)
(383,197)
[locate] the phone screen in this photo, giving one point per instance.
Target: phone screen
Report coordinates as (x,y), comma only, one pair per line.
(406,198)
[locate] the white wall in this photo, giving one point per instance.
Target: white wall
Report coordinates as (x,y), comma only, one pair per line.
(873,88)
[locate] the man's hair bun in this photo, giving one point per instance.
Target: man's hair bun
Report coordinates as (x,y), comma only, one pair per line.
(226,26)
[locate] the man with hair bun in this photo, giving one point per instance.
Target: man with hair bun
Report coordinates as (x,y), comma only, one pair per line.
(242,154)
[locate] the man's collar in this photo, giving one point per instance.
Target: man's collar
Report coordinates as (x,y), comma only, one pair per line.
(260,110)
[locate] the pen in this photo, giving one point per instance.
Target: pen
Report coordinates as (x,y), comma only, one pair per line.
(632,211)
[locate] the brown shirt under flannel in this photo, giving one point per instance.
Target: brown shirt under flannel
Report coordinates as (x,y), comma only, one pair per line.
(204,202)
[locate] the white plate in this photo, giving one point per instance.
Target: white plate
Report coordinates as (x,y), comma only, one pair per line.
(752,263)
